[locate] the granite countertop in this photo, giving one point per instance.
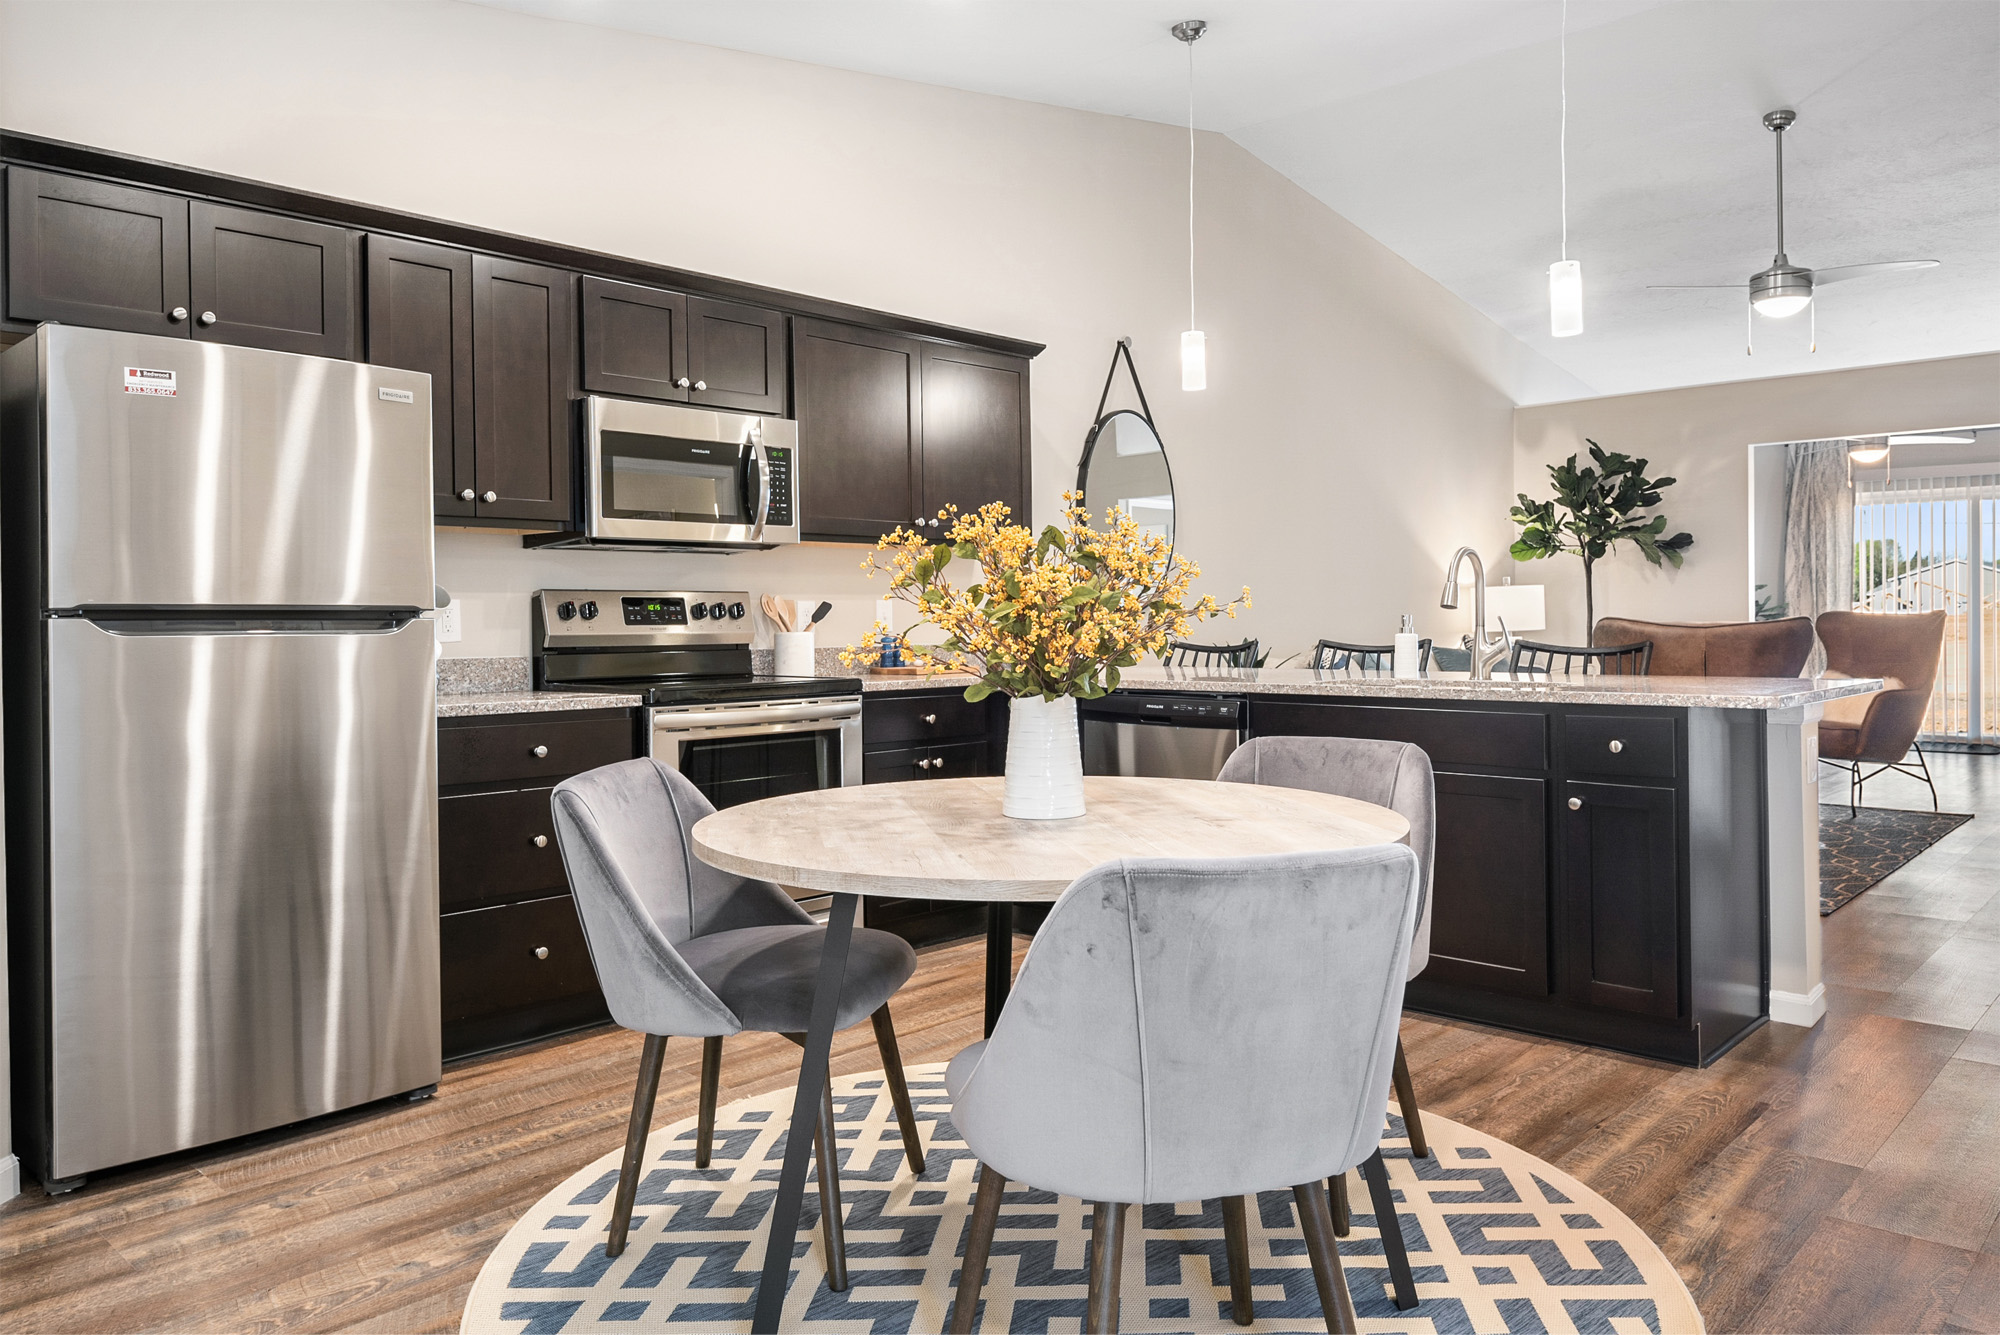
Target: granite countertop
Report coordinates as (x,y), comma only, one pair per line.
(464,704)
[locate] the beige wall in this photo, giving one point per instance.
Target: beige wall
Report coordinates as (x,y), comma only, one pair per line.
(1702,437)
(1358,423)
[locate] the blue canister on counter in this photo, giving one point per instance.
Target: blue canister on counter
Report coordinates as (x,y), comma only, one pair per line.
(892,651)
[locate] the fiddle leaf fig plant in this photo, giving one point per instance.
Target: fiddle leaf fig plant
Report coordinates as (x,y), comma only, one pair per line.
(1597,506)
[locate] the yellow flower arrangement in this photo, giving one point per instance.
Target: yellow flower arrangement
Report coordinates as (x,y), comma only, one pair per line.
(1051,616)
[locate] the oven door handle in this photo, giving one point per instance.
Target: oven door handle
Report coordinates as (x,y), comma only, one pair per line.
(710,721)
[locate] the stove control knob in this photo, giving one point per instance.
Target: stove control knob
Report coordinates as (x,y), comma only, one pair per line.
(718,610)
(565,611)
(588,611)
(736,611)
(699,611)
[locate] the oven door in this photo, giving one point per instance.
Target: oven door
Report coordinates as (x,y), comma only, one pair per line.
(742,753)
(656,472)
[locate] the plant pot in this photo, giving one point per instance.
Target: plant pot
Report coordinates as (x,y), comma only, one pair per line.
(1044,760)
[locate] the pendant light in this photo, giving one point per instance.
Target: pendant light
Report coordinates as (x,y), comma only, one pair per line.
(1194,343)
(1566,274)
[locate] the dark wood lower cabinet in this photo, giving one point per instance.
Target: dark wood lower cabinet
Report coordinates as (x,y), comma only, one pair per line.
(1489,926)
(515,973)
(1620,897)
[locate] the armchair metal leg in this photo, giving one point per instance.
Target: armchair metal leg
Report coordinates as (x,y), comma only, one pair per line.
(1107,1250)
(832,1227)
(899,1087)
(634,1162)
(1342,1219)
(1925,766)
(1316,1222)
(978,1246)
(1390,1226)
(1236,1239)
(711,1081)
(1406,1100)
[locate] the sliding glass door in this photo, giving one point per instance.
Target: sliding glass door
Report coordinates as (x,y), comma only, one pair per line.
(1928,542)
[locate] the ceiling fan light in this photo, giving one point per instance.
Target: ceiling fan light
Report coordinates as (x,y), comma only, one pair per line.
(1778,305)
(1565,298)
(1868,454)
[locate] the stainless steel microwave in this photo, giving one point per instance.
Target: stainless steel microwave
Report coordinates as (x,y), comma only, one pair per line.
(658,472)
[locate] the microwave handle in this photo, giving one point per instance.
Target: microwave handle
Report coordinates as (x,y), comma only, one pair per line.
(762,463)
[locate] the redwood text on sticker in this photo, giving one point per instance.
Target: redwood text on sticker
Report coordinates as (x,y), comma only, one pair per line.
(142,380)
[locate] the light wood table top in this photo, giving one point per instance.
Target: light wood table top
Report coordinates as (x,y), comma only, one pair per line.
(946,838)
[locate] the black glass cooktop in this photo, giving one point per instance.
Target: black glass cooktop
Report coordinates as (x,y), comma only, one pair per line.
(727,690)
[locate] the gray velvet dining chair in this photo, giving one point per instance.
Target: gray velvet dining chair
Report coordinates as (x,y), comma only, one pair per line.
(1193,1030)
(685,950)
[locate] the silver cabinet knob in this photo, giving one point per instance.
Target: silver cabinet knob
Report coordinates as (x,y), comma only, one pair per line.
(541,753)
(1616,746)
(682,383)
(924,764)
(465,495)
(177,314)
(490,497)
(701,384)
(1576,804)
(937,762)
(930,718)
(540,841)
(934,523)
(205,318)
(541,952)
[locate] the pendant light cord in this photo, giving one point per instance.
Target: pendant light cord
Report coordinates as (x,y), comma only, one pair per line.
(1190,51)
(1562,138)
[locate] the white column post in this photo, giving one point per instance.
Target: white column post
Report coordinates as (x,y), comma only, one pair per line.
(1791,794)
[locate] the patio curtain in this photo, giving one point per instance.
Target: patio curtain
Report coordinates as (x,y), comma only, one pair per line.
(1819,532)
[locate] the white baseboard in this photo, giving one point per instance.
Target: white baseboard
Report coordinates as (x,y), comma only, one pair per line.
(1804,1010)
(10,1178)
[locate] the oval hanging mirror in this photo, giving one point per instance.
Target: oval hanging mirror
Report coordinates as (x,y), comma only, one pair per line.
(1124,465)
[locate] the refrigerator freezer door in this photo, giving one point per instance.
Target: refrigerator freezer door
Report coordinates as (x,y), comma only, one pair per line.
(243,915)
(185,473)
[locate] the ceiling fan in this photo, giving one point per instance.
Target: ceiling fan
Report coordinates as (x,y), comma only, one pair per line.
(1786,288)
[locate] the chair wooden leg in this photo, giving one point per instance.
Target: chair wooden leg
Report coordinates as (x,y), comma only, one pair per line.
(1390,1227)
(1342,1218)
(978,1246)
(711,1081)
(1236,1238)
(1406,1100)
(634,1162)
(1107,1250)
(832,1227)
(899,1088)
(1316,1222)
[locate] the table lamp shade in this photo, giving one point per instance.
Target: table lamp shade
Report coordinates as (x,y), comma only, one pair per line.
(1520,605)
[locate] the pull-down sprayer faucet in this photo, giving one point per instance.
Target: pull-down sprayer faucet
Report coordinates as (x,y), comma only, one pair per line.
(1485,652)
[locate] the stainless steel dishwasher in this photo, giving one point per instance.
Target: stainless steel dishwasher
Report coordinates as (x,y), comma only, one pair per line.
(1160,734)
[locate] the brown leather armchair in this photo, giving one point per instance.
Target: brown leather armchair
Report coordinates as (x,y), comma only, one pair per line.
(1716,648)
(1880,729)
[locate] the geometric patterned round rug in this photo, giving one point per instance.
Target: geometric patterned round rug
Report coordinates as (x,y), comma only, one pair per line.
(1498,1242)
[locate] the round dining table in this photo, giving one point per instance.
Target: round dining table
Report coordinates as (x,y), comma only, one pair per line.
(946,839)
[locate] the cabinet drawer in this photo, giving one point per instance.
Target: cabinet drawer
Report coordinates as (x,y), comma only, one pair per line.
(920,718)
(487,852)
(1619,744)
(1450,737)
(495,987)
(552,748)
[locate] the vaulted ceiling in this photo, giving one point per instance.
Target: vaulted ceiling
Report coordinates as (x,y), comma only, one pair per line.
(1433,125)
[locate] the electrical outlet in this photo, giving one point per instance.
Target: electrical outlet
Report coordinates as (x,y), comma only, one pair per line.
(447,623)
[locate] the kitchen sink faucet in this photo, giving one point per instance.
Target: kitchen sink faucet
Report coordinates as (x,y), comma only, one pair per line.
(1485,652)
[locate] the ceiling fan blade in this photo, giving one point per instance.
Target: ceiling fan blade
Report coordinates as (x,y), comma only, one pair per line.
(1847,271)
(1695,287)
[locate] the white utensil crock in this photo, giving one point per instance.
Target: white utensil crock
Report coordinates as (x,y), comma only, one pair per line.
(793,651)
(1044,762)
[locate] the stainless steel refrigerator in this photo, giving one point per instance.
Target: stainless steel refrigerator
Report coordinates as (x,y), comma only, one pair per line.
(220,733)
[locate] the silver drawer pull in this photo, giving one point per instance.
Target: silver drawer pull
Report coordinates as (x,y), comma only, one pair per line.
(540,841)
(541,952)
(1616,746)
(930,718)
(1576,804)
(541,753)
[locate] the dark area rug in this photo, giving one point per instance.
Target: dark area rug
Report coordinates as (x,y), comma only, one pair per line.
(1856,851)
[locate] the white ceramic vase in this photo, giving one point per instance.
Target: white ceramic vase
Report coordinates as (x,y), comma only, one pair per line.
(1044,761)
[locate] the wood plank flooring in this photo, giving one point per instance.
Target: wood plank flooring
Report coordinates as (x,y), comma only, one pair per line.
(1843,1178)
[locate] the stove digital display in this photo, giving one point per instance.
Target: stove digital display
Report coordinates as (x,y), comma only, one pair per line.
(655,611)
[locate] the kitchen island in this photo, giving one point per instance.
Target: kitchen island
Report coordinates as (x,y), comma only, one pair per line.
(1631,862)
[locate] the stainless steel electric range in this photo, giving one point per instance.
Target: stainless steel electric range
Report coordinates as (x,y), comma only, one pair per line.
(738,736)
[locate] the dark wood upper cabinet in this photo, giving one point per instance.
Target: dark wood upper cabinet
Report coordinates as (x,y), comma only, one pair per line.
(265,281)
(975,430)
(523,349)
(1620,886)
(420,319)
(635,341)
(858,397)
(90,253)
(737,356)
